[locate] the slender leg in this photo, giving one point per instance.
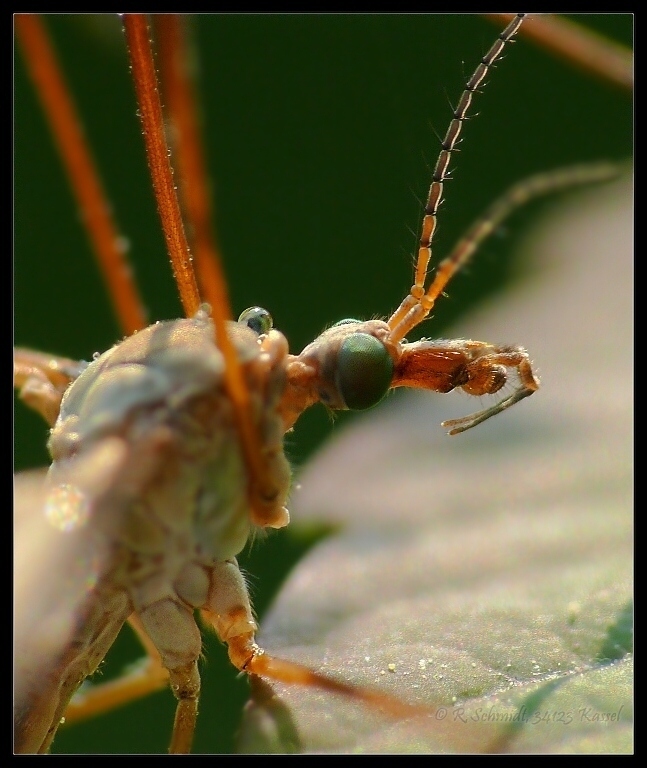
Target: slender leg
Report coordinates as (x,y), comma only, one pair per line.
(142,679)
(229,612)
(172,628)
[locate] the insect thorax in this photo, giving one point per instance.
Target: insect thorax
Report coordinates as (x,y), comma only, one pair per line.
(161,393)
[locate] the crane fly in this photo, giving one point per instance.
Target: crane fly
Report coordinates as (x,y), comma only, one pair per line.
(78,487)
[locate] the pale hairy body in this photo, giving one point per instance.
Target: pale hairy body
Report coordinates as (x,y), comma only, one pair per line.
(152,414)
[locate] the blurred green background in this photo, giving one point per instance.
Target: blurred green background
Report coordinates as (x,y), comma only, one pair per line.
(321,135)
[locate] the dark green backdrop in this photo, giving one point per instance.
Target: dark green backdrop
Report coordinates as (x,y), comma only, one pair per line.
(321,134)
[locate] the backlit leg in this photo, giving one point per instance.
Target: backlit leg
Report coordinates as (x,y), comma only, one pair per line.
(172,628)
(229,612)
(146,677)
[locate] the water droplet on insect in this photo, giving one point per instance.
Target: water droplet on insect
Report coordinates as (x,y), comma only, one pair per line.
(204,313)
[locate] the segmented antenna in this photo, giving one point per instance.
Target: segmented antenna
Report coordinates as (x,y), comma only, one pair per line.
(417,304)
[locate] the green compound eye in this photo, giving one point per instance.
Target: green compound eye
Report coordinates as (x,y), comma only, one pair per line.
(345,322)
(364,371)
(258,319)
